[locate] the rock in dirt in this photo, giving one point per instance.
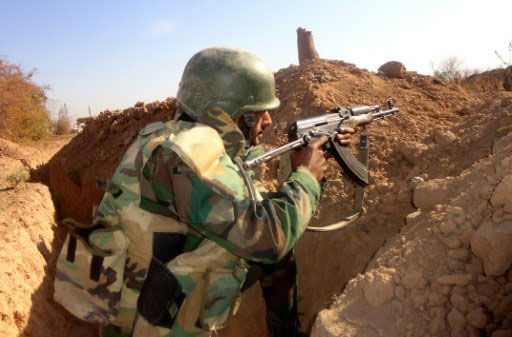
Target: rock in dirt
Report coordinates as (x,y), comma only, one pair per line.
(456,319)
(455,279)
(447,227)
(393,69)
(438,323)
(502,333)
(492,243)
(413,280)
(413,152)
(378,288)
(444,137)
(502,195)
(477,318)
(430,193)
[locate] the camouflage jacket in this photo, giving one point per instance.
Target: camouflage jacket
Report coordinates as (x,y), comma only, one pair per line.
(187,173)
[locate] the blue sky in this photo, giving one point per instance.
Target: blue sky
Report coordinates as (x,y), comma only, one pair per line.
(111,54)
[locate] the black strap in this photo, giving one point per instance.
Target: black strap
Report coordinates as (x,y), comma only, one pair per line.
(247,121)
(70,256)
(161,295)
(186,118)
(96,264)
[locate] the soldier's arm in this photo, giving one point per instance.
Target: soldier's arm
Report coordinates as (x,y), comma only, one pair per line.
(219,207)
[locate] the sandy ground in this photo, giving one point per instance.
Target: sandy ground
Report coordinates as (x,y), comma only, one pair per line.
(30,239)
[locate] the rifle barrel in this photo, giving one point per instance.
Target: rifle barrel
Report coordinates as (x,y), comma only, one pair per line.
(364,109)
(384,114)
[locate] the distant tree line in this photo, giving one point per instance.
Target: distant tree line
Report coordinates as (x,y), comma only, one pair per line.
(451,69)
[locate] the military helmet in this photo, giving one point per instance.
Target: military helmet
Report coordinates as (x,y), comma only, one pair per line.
(228,78)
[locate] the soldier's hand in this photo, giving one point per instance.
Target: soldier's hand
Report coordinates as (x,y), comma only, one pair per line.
(344,135)
(312,157)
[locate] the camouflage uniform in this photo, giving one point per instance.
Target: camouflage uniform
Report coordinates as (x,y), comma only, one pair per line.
(169,248)
(179,177)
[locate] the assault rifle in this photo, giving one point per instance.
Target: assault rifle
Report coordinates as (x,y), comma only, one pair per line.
(305,131)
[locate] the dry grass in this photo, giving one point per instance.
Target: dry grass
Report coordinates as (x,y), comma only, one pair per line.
(17,178)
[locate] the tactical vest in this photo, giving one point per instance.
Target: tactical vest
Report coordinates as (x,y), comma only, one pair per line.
(131,260)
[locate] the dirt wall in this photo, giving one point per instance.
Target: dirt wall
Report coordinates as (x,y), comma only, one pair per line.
(448,271)
(95,153)
(30,241)
(490,81)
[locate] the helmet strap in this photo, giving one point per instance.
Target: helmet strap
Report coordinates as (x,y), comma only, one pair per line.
(247,122)
(181,115)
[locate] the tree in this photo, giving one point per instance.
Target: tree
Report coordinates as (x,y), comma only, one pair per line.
(502,59)
(63,122)
(449,69)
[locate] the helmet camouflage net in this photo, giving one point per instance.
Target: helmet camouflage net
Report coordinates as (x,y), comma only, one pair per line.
(227,78)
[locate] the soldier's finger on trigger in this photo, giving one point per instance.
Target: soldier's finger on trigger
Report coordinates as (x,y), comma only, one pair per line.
(319,142)
(347,130)
(341,136)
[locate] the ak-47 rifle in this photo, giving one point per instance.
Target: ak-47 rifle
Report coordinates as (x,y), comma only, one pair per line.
(305,131)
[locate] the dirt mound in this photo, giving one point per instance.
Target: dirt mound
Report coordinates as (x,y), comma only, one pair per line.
(490,81)
(422,139)
(441,130)
(448,272)
(30,239)
(95,153)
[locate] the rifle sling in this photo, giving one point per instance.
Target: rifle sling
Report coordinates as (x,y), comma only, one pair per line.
(359,194)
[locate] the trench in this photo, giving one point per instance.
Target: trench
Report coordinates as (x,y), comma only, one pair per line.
(416,144)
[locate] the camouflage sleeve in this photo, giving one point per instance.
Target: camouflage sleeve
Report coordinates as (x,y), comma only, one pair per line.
(219,208)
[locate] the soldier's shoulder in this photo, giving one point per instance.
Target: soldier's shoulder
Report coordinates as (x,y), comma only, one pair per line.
(199,146)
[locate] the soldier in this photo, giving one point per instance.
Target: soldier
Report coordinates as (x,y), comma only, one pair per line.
(193,231)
